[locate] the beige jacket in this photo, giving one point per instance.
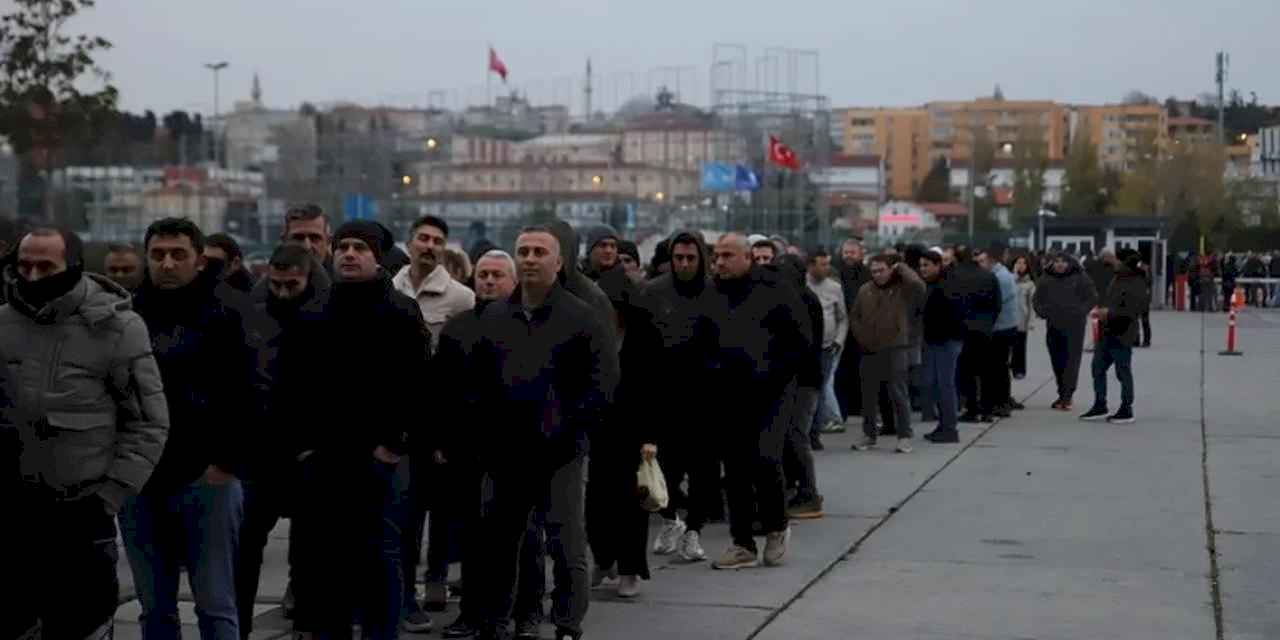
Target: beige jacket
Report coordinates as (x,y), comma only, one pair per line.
(440,297)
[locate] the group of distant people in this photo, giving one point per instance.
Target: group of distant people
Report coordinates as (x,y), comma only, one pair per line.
(355,388)
(1212,278)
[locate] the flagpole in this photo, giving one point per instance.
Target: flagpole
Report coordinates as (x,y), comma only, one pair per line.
(488,78)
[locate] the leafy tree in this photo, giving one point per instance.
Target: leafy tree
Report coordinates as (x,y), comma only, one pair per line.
(1084,191)
(937,184)
(42,70)
(1031,159)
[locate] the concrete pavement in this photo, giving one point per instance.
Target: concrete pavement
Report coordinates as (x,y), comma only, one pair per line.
(1040,526)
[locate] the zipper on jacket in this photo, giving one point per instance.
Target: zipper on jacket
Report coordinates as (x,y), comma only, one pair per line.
(51,376)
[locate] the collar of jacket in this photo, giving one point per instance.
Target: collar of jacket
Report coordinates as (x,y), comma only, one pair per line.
(435,284)
(517,303)
(54,310)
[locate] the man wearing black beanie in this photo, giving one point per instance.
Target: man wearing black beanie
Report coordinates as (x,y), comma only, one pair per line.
(351,507)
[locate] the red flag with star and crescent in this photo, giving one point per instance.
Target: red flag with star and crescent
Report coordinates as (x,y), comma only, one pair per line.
(496,65)
(782,155)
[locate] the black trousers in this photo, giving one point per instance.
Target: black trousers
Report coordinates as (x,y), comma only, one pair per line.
(1145,328)
(50,543)
(754,446)
(691,454)
(1018,357)
(848,382)
(975,379)
(524,500)
(617,526)
(798,467)
(1066,347)
(1002,344)
(265,501)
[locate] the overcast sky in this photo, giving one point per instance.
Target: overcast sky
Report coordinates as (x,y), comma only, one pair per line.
(888,52)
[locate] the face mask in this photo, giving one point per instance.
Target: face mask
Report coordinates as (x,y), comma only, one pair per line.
(43,291)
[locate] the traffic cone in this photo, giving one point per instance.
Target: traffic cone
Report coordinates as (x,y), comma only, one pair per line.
(1231,329)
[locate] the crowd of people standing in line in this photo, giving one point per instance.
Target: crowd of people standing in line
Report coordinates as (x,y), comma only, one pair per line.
(356,388)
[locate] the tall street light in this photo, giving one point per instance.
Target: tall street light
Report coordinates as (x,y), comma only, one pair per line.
(216,68)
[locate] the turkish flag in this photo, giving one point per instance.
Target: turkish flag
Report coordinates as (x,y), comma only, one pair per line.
(496,65)
(782,155)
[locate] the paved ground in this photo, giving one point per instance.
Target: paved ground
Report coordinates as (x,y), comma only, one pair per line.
(1037,527)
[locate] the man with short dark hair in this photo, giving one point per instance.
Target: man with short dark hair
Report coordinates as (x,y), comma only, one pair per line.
(308,226)
(80,432)
(835,328)
(1003,334)
(881,319)
(350,518)
(981,292)
(190,512)
(225,260)
(763,253)
(123,265)
(546,370)
(853,274)
(439,297)
(944,334)
(292,335)
(1118,312)
(764,335)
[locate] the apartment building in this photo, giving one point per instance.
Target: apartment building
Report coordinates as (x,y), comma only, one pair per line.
(1117,130)
(899,136)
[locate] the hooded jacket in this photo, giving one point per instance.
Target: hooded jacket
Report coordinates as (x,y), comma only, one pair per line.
(882,315)
(792,268)
(764,340)
(1065,299)
(86,403)
(203,345)
(1126,299)
(578,284)
(681,312)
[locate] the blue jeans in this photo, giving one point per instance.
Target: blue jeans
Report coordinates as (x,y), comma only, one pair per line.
(939,381)
(828,405)
(197,526)
(1108,352)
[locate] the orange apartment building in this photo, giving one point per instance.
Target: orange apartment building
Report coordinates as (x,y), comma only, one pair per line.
(1116,129)
(899,136)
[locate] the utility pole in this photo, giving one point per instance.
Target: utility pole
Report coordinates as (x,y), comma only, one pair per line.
(1223,61)
(216,68)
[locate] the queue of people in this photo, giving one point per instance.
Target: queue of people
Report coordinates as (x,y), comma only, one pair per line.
(498,406)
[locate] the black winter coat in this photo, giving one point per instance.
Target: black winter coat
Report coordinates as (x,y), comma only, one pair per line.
(378,356)
(201,338)
(1065,299)
(1126,299)
(979,292)
(544,381)
(944,311)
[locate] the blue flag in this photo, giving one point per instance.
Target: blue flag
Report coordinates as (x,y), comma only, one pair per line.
(717,176)
(745,179)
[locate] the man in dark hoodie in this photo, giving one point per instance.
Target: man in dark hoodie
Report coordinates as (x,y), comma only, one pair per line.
(1064,297)
(190,512)
(83,420)
(764,341)
(575,282)
(981,294)
(291,331)
(1118,312)
(679,303)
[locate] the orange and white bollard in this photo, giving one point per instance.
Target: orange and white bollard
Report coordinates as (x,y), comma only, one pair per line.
(1237,302)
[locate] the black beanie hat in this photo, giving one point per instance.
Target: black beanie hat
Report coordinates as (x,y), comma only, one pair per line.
(369,231)
(629,248)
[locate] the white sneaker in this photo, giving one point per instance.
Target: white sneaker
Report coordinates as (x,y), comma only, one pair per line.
(775,547)
(904,445)
(690,548)
(628,586)
(669,537)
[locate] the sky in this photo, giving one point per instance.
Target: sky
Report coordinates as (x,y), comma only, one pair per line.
(889,52)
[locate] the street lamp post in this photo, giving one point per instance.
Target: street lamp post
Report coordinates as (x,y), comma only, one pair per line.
(1041,215)
(216,68)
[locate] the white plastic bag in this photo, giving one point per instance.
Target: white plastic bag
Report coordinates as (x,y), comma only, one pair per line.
(651,486)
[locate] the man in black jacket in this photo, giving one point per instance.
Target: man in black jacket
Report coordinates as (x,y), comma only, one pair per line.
(680,303)
(798,466)
(458,448)
(764,339)
(1118,312)
(350,517)
(224,259)
(981,294)
(944,334)
(1064,297)
(545,372)
(853,274)
(290,331)
(191,509)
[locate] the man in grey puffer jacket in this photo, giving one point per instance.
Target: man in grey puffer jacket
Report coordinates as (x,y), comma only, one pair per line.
(83,420)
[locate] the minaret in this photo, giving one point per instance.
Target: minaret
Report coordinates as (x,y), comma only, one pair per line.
(256,93)
(586,94)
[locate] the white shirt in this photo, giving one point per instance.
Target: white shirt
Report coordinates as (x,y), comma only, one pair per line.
(440,297)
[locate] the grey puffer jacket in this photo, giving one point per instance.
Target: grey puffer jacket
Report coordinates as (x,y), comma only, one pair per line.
(86,402)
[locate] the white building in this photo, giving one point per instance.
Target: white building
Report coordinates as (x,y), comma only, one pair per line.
(854,186)
(1267,154)
(899,219)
